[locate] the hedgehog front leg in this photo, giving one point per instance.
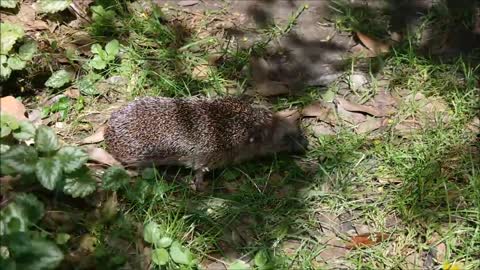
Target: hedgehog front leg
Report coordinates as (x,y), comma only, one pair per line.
(199,176)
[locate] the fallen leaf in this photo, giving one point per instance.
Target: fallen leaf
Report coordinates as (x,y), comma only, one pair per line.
(12,106)
(374,45)
(187,3)
(370,125)
(26,17)
(350,117)
(366,240)
(101,156)
(35,117)
(88,243)
(72,93)
(271,88)
(96,137)
(201,72)
(354,107)
(290,114)
(334,250)
(320,129)
(110,208)
(407,127)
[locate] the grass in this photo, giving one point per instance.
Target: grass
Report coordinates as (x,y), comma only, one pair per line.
(429,182)
(265,206)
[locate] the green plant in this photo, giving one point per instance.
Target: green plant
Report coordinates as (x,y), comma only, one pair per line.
(8,3)
(22,248)
(103,57)
(167,250)
(53,165)
(59,78)
(52,6)
(16,60)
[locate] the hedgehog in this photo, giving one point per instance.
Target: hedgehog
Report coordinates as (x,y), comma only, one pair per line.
(198,133)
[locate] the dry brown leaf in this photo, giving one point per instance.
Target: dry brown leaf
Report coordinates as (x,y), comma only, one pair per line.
(370,125)
(13,107)
(72,93)
(271,88)
(96,137)
(187,3)
(350,117)
(201,72)
(26,18)
(290,114)
(354,107)
(407,127)
(366,240)
(101,156)
(320,129)
(374,45)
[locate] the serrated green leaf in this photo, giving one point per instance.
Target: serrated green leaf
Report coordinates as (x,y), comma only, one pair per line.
(8,3)
(52,6)
(59,78)
(97,62)
(160,256)
(48,172)
(86,85)
(239,265)
(21,158)
(9,120)
(80,183)
(72,158)
(9,33)
(46,140)
(114,178)
(27,50)
(151,232)
(17,216)
(112,48)
(44,255)
(5,71)
(15,63)
(25,132)
(180,254)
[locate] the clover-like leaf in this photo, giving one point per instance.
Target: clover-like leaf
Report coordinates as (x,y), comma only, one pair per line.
(8,3)
(72,158)
(114,178)
(26,131)
(27,50)
(96,48)
(97,62)
(160,256)
(80,183)
(52,6)
(48,172)
(180,254)
(164,242)
(151,232)
(261,258)
(21,158)
(59,78)
(9,34)
(112,48)
(15,63)
(46,140)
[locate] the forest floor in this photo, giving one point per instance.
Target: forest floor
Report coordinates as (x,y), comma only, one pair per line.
(389,94)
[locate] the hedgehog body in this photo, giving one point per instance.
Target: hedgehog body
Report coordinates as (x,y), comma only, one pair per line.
(198,133)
